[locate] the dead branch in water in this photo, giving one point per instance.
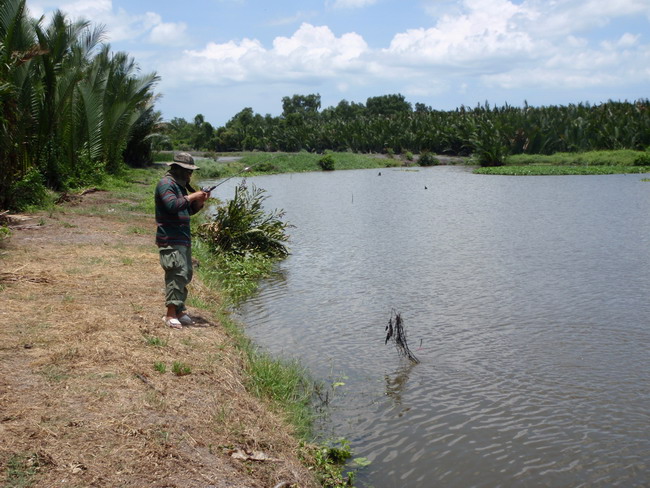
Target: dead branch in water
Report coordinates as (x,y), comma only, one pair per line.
(395,331)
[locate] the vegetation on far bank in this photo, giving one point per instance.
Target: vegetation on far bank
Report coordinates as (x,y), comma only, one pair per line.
(585,163)
(553,170)
(389,124)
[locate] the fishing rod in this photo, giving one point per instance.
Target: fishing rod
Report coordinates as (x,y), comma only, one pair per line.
(208,189)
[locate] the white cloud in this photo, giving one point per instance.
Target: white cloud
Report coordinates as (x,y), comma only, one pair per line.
(560,18)
(467,47)
(487,30)
(312,52)
(89,9)
(627,40)
(120,25)
(565,67)
(490,39)
(524,45)
(167,33)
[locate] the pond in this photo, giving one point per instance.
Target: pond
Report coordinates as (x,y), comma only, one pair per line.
(524,298)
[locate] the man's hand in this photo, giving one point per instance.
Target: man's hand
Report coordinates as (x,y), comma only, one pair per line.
(197,199)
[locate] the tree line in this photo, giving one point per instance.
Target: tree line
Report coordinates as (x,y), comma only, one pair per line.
(390,123)
(70,109)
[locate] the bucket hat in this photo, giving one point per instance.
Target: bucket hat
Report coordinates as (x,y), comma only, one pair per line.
(184,160)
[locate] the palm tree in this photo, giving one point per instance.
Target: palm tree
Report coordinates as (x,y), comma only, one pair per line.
(17,49)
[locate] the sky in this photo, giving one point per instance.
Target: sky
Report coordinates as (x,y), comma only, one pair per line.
(217,57)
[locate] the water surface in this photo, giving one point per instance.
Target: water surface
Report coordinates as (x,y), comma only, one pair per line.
(525,298)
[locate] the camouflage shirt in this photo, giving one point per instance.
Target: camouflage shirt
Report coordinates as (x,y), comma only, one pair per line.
(173,210)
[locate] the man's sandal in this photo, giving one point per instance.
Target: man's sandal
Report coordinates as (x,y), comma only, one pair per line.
(173,323)
(185,319)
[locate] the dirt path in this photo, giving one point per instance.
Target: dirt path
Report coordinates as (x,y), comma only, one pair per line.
(83,399)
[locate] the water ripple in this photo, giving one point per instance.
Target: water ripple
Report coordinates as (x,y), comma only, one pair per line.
(524,299)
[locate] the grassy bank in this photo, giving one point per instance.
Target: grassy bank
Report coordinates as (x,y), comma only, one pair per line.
(587,163)
(284,384)
(219,165)
(97,391)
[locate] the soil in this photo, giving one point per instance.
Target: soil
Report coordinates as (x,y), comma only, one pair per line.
(88,392)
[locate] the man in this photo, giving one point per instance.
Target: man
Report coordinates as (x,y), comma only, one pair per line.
(176,200)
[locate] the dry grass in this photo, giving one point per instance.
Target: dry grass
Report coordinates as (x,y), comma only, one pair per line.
(81,403)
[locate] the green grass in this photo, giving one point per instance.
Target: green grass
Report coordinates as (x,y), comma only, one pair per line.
(136,187)
(21,469)
(286,383)
(155,341)
(587,163)
(54,373)
(137,230)
(304,161)
(181,369)
(273,163)
(623,157)
(546,170)
(5,232)
(236,277)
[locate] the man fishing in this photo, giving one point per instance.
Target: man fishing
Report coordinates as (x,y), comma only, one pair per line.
(175,201)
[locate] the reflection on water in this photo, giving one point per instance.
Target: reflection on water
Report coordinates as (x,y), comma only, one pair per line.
(396,383)
(526,300)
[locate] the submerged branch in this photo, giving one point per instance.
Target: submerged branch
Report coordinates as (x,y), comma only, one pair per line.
(395,331)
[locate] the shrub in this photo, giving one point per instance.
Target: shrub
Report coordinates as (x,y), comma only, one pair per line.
(266,167)
(30,191)
(409,156)
(243,227)
(326,163)
(5,233)
(642,160)
(428,159)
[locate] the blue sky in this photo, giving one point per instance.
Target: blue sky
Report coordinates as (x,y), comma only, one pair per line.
(217,57)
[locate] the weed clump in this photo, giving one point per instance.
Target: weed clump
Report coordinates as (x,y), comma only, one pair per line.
(242,226)
(428,159)
(29,191)
(643,159)
(326,163)
(181,369)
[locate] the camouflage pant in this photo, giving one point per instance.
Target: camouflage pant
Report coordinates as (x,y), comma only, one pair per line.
(177,263)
